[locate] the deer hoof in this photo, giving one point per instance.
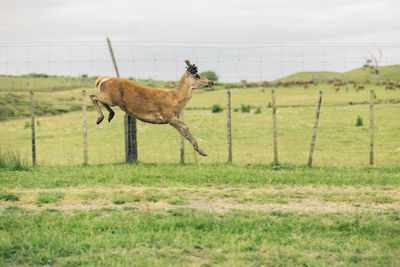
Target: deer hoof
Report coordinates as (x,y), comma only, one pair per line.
(202,153)
(110,117)
(99,120)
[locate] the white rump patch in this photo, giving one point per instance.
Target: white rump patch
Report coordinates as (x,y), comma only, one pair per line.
(102,81)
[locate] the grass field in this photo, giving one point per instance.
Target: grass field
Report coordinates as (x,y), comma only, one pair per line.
(230,215)
(339,141)
(206,212)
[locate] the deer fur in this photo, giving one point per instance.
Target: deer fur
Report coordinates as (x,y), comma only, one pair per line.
(151,105)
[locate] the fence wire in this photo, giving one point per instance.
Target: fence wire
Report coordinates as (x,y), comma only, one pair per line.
(54,70)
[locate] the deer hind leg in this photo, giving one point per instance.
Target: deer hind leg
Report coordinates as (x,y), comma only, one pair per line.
(111,112)
(183,129)
(95,100)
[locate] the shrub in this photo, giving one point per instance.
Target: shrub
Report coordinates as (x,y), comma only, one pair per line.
(211,75)
(359,121)
(258,111)
(216,108)
(245,108)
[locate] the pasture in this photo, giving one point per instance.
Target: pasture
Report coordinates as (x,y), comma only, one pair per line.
(339,141)
(166,214)
(206,212)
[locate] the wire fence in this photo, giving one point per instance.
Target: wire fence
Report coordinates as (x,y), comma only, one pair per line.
(164,61)
(58,103)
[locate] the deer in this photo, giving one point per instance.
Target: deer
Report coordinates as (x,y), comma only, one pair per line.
(151,105)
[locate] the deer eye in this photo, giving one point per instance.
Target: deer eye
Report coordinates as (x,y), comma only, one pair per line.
(197,76)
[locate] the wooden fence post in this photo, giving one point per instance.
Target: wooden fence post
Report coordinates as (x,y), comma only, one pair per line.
(182,144)
(314,136)
(130,139)
(129,122)
(85,143)
(33,130)
(371,128)
(229,128)
(275,135)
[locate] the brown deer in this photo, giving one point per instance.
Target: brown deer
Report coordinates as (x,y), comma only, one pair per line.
(151,105)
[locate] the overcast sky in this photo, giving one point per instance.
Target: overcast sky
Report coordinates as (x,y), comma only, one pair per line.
(349,21)
(232,22)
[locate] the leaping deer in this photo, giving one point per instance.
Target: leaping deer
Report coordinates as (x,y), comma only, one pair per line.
(151,105)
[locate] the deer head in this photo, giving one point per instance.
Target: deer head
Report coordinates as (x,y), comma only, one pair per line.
(194,79)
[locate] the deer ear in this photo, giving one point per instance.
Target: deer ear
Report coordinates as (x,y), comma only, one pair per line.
(187,62)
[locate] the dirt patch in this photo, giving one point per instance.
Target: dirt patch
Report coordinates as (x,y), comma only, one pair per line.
(301,198)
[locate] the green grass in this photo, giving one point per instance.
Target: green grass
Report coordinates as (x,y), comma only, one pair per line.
(359,75)
(8,196)
(49,197)
(165,175)
(339,142)
(12,161)
(184,236)
(124,197)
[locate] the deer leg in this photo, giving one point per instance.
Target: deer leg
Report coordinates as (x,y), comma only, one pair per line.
(183,129)
(111,112)
(101,116)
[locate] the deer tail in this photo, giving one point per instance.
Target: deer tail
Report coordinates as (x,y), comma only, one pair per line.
(99,80)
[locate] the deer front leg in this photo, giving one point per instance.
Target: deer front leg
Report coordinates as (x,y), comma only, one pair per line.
(183,129)
(94,100)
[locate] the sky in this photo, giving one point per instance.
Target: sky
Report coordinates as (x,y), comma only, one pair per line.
(223,23)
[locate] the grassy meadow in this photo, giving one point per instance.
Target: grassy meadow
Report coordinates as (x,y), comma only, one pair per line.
(199,215)
(341,212)
(339,141)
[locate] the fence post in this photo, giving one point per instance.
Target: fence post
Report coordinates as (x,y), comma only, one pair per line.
(371,128)
(112,56)
(130,139)
(33,130)
(314,136)
(85,143)
(229,129)
(129,122)
(182,144)
(275,135)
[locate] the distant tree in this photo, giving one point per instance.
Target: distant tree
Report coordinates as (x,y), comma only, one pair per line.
(372,62)
(211,75)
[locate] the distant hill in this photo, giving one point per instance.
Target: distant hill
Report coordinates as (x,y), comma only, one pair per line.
(391,72)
